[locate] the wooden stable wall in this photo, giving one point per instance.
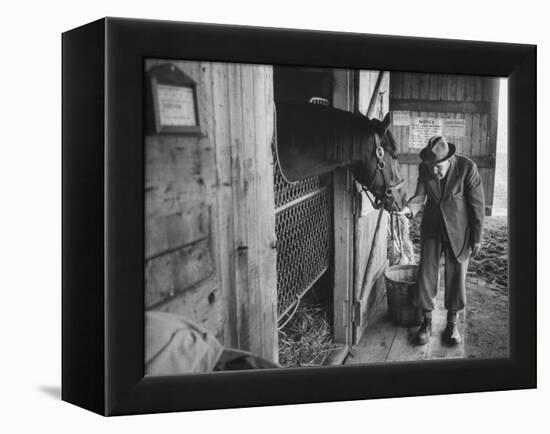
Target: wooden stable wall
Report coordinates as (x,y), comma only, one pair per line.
(356,295)
(473,99)
(209,225)
(370,289)
(344,93)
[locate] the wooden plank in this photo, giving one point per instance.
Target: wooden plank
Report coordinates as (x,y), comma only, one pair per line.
(460,140)
(443,88)
(236,305)
(396,87)
(485,85)
(467,143)
(413,158)
(469,91)
(433,91)
(440,106)
(404,348)
(475,150)
(409,86)
(251,303)
(488,180)
(376,343)
(436,348)
(176,271)
(406,136)
(202,304)
(419,86)
(460,88)
(492,120)
(483,138)
(374,103)
(478,90)
(343,227)
(169,232)
(489,195)
(216,82)
(366,289)
(338,355)
(493,87)
(264,206)
(173,174)
(343,263)
(453,83)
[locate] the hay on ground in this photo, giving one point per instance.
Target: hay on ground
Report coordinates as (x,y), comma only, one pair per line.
(306,340)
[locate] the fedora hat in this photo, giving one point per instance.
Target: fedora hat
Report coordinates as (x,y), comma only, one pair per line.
(437,150)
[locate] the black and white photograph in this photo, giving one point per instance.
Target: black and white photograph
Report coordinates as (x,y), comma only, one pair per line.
(303,217)
(274,217)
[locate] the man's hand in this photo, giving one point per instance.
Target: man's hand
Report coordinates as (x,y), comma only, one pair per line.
(476,248)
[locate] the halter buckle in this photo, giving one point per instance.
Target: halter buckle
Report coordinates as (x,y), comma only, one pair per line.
(379,152)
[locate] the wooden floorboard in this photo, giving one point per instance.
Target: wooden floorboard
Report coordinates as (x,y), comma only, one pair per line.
(404,348)
(436,348)
(377,340)
(383,341)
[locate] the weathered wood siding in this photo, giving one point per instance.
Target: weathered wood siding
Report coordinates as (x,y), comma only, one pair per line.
(356,295)
(344,99)
(474,99)
(369,289)
(209,220)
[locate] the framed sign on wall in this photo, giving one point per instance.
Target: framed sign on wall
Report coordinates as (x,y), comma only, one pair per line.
(174,97)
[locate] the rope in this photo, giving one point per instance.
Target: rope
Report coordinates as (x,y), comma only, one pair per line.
(371,253)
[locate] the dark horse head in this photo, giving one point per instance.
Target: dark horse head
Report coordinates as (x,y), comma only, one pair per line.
(313,140)
(378,170)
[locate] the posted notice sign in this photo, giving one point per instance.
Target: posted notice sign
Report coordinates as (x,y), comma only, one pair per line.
(422,129)
(176,105)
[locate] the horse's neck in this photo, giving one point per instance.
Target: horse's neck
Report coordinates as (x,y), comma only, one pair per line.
(354,150)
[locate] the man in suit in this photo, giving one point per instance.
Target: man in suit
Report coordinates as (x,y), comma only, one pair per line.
(450,190)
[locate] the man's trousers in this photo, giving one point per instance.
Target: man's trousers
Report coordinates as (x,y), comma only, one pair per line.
(428,276)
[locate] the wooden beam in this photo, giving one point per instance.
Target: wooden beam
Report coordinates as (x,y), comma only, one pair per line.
(338,355)
(176,271)
(343,255)
(374,96)
(483,161)
(440,106)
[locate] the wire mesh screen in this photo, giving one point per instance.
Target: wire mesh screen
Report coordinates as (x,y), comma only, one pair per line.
(302,226)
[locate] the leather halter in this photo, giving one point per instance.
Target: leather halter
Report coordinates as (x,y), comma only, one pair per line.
(380,165)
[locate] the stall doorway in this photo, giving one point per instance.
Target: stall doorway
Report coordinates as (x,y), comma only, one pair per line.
(304,229)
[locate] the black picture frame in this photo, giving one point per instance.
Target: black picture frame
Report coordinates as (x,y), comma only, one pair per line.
(103,223)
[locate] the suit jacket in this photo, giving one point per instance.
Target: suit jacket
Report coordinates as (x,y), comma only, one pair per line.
(460,207)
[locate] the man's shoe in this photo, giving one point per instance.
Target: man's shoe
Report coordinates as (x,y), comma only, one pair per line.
(424,332)
(451,336)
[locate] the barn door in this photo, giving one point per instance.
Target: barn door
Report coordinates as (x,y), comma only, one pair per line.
(463,108)
(369,224)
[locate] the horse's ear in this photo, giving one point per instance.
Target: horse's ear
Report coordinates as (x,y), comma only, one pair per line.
(386,122)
